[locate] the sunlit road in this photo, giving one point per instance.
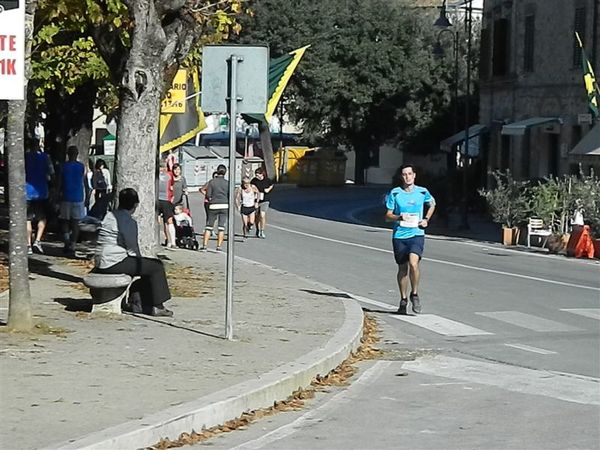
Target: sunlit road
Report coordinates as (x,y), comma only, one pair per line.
(505,355)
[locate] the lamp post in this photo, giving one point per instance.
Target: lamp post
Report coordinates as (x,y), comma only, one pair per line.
(445,23)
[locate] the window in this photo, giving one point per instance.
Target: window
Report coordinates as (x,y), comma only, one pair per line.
(529,44)
(484,63)
(500,54)
(579,27)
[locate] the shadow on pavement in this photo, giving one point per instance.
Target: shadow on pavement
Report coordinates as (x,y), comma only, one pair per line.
(327,294)
(75,304)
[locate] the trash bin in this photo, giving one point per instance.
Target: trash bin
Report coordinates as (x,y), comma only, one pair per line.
(322,167)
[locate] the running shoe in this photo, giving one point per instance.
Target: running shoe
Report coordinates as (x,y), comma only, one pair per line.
(416,303)
(37,246)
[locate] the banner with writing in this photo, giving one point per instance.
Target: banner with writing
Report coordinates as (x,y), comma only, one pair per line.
(12,49)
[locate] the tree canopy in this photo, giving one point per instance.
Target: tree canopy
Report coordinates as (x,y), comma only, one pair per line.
(369,75)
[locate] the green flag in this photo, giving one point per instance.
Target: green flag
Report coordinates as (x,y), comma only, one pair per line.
(591,86)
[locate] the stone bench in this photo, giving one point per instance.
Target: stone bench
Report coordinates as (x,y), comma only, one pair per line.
(108,291)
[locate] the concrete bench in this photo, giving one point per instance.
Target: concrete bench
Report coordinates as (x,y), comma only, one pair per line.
(108,291)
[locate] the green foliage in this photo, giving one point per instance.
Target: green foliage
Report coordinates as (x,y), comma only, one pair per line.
(555,200)
(368,76)
(507,201)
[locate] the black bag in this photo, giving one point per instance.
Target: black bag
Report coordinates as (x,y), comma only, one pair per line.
(98,181)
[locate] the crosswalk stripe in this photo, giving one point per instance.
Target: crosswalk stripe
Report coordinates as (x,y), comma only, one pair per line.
(528,321)
(592,313)
(441,325)
(528,348)
(567,387)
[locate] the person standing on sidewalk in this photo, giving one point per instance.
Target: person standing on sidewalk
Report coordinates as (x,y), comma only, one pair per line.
(38,172)
(72,198)
(405,204)
(217,192)
(118,251)
(166,209)
(264,186)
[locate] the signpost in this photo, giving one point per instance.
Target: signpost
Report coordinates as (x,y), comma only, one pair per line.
(234,80)
(12,49)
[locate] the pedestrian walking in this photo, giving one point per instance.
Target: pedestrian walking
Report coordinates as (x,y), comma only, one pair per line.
(165,204)
(101,188)
(118,251)
(246,200)
(180,187)
(72,198)
(405,204)
(264,186)
(38,173)
(217,192)
(205,203)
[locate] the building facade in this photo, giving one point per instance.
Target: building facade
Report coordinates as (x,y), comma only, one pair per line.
(533,101)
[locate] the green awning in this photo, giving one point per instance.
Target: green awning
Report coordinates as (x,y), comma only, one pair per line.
(474,130)
(519,128)
(590,144)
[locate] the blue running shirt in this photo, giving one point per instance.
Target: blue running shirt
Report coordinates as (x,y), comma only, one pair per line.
(72,181)
(410,204)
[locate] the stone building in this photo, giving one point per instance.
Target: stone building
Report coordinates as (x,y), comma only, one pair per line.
(533,103)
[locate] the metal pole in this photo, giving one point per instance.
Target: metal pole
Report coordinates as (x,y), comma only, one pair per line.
(233,99)
(465,206)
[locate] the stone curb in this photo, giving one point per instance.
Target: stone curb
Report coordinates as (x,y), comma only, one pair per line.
(229,403)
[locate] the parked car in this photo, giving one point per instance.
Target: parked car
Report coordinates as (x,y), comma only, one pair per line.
(6,5)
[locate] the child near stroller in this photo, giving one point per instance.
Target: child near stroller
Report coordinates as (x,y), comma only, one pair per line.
(184,230)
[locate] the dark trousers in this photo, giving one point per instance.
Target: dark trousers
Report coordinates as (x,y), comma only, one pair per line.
(152,287)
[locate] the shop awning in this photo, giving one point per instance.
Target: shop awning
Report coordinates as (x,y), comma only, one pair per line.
(474,130)
(590,144)
(519,128)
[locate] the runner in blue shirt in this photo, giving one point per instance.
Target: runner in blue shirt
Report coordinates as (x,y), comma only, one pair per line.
(405,206)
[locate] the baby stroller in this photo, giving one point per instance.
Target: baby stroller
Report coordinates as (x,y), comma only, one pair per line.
(185,237)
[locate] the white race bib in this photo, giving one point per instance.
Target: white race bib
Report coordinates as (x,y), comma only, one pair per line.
(409,220)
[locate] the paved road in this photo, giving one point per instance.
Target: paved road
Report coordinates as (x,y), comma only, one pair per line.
(507,348)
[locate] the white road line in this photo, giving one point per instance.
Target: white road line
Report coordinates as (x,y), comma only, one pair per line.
(568,387)
(593,313)
(439,261)
(528,321)
(441,325)
(528,348)
(366,379)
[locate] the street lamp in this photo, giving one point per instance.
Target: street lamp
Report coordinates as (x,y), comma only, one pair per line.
(445,23)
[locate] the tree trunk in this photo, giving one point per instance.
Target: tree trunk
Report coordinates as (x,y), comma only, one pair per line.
(137,140)
(19,303)
(81,108)
(361,153)
(267,149)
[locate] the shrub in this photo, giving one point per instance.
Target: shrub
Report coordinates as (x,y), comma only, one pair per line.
(507,200)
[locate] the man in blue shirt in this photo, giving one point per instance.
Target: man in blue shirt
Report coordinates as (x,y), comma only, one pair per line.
(405,206)
(72,205)
(38,172)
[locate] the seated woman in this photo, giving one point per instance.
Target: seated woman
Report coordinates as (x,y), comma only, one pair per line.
(118,252)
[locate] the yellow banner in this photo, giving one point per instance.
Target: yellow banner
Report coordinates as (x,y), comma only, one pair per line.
(174,101)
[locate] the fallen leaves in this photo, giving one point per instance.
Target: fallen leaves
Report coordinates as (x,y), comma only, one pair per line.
(337,377)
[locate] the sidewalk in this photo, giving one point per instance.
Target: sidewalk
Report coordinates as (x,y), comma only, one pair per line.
(94,381)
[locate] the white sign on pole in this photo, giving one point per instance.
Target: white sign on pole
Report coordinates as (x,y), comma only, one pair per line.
(12,49)
(252,71)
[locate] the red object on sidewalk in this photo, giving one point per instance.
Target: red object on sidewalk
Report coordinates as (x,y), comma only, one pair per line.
(580,244)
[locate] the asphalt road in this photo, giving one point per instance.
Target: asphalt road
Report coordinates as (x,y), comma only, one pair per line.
(505,355)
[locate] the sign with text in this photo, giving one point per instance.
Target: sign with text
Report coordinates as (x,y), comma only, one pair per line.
(174,101)
(12,49)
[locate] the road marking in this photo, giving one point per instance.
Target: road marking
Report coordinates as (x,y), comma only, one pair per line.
(441,325)
(439,261)
(593,313)
(366,379)
(528,348)
(567,387)
(528,321)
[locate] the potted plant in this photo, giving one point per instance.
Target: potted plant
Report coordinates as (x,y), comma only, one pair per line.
(507,204)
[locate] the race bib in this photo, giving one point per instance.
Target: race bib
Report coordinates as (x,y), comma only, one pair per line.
(409,220)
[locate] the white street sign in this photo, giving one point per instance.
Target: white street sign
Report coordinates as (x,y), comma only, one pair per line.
(12,49)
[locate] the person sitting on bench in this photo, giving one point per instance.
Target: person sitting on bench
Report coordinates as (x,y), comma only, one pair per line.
(118,252)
